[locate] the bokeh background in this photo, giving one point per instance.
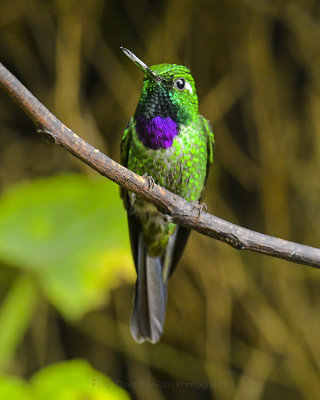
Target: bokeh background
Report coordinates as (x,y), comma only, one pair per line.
(239,325)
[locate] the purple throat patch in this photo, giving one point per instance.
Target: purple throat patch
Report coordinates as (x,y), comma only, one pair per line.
(156,133)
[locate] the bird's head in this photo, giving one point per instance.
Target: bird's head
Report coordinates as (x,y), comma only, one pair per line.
(168,91)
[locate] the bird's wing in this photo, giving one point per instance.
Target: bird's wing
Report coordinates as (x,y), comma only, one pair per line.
(133,221)
(125,142)
(125,145)
(176,245)
(210,147)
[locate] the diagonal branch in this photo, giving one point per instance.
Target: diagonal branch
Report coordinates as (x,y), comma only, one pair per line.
(181,212)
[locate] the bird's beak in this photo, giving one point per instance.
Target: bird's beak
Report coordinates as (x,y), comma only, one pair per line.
(140,64)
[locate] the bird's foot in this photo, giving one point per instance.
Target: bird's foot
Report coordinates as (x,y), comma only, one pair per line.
(167,219)
(199,206)
(149,179)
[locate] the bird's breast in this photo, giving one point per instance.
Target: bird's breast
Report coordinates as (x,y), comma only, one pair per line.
(157,132)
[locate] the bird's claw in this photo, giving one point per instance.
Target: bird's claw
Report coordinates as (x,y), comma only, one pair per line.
(167,219)
(200,207)
(150,180)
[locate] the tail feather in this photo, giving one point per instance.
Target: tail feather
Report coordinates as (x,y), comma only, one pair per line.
(150,298)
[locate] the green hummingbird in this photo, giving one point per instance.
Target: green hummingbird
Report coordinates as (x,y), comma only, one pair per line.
(169,141)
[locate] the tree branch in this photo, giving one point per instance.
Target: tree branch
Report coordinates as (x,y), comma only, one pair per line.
(181,212)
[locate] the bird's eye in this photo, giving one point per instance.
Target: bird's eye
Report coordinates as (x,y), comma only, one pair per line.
(182,84)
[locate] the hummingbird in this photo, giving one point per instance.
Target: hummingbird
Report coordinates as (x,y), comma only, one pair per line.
(171,143)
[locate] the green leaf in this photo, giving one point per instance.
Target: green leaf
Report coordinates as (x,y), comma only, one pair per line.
(69,380)
(70,233)
(16,313)
(14,389)
(74,380)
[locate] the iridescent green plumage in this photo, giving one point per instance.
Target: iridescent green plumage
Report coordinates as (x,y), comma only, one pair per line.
(170,141)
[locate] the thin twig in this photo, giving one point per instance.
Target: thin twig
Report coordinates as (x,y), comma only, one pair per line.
(180,211)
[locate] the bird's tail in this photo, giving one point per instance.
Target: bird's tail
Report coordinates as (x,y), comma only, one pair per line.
(149,307)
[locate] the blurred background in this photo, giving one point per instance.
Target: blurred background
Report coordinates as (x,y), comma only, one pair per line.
(239,325)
